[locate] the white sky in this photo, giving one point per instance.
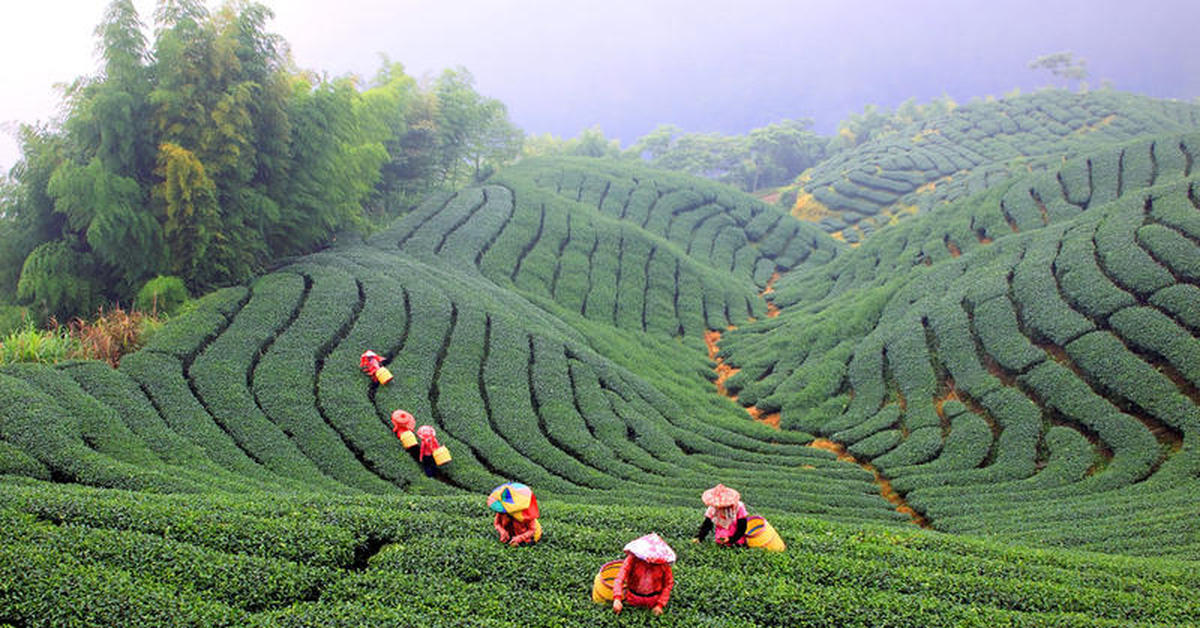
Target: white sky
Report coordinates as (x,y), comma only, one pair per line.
(628,65)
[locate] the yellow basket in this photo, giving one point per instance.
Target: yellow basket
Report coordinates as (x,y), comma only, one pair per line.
(602,584)
(408,439)
(759,533)
(441,455)
(382,375)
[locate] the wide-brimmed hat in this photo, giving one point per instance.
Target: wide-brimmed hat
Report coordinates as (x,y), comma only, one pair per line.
(516,499)
(652,549)
(426,431)
(403,420)
(720,496)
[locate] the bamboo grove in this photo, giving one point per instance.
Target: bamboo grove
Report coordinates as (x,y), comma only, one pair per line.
(206,153)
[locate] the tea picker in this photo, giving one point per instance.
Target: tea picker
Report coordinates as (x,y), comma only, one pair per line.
(516,518)
(403,424)
(732,525)
(431,453)
(644,578)
(372,365)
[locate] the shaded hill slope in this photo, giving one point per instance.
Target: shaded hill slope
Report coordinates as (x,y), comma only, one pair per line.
(1021,362)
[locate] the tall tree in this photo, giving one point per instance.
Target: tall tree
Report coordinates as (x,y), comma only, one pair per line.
(193,221)
(474,131)
(336,164)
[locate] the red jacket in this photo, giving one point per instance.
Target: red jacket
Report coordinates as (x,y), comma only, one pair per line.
(640,583)
(519,531)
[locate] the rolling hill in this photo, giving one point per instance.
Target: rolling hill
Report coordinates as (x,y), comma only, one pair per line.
(984,413)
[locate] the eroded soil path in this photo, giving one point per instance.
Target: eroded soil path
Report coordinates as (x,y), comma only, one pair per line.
(885,485)
(725,371)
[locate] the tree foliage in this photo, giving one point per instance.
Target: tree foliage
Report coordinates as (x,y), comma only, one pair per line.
(204,153)
(1064,65)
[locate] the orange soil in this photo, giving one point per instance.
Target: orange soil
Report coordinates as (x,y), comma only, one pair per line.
(1091,128)
(770,284)
(938,403)
(725,371)
(810,209)
(950,396)
(1045,213)
(771,419)
(885,485)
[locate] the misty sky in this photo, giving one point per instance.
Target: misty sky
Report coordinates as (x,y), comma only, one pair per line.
(630,65)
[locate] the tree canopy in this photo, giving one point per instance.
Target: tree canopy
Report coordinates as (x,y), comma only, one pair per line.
(204,153)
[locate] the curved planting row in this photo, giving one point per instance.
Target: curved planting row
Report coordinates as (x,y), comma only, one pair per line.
(976,147)
(1019,386)
(1019,204)
(79,555)
(261,384)
(641,250)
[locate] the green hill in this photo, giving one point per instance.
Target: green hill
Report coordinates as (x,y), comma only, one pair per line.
(1017,363)
(972,148)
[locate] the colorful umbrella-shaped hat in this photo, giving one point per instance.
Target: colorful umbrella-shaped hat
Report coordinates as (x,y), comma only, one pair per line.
(511,497)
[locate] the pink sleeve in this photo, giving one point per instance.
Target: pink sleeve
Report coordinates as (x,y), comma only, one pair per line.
(741,511)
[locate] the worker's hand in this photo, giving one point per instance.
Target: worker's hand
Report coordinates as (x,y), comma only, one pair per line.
(657,610)
(617,606)
(695,540)
(504,536)
(514,542)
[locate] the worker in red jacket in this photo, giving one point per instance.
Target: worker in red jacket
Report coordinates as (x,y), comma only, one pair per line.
(516,520)
(645,578)
(428,438)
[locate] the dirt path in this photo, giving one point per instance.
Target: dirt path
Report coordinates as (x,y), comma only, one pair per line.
(725,371)
(885,485)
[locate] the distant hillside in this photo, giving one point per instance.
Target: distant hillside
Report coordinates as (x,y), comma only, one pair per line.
(974,147)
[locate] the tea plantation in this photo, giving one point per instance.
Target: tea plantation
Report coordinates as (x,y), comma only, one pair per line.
(1016,364)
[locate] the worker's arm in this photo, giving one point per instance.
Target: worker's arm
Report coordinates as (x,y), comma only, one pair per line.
(496,523)
(668,584)
(705,528)
(739,532)
(527,535)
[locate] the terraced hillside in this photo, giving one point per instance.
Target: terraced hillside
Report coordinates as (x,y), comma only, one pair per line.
(1021,363)
(1015,366)
(975,147)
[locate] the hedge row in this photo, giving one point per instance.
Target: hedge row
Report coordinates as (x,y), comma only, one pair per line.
(983,144)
